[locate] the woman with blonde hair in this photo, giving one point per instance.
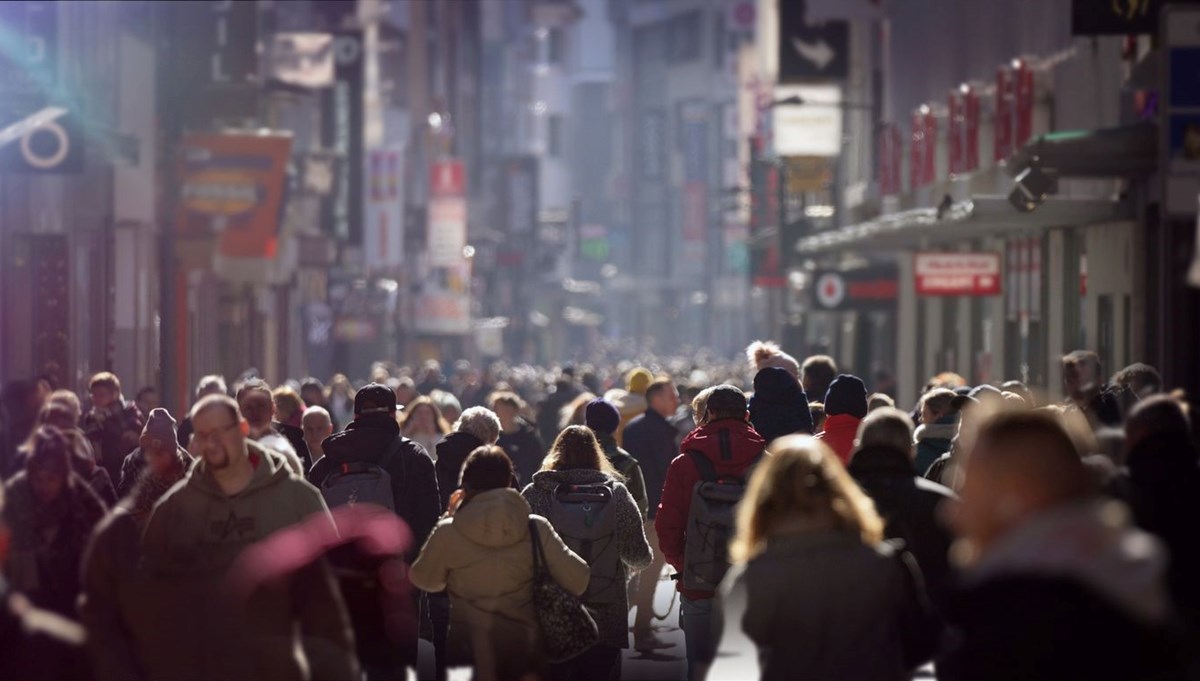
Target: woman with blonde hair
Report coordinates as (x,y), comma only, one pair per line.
(423,423)
(813,593)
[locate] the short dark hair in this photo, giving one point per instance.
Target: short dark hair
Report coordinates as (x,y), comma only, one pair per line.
(1055,464)
(486,468)
(105,379)
(251,385)
(145,390)
(1158,415)
(820,371)
(1137,376)
(656,386)
(1081,358)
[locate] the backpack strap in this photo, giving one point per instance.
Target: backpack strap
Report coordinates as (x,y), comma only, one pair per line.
(707,472)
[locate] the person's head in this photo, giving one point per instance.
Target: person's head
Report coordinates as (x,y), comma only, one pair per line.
(847,395)
(725,402)
(317,426)
(422,417)
(49,464)
(480,422)
(312,392)
(374,400)
(146,399)
(638,380)
(105,389)
(218,432)
(662,397)
(406,391)
(817,411)
(69,401)
(486,468)
(886,428)
(340,385)
(700,405)
(159,438)
(763,354)
(602,416)
(213,384)
(1136,382)
(507,405)
(879,401)
(801,486)
(817,373)
(58,415)
(256,403)
(576,448)
(1019,388)
(288,405)
(936,405)
(572,413)
(1023,463)
(449,405)
(1154,416)
(1081,375)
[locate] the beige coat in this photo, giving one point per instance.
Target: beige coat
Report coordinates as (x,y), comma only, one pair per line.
(483,556)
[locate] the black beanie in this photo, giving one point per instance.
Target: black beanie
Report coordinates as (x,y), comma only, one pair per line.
(847,395)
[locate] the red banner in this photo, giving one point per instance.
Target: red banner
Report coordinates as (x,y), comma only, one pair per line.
(916,152)
(1002,126)
(954,133)
(1023,123)
(890,155)
(957,274)
(447,178)
(929,156)
(971,129)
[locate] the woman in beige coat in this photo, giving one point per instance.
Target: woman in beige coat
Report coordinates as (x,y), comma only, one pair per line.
(481,553)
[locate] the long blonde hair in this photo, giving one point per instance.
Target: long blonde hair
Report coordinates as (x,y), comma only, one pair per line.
(801,484)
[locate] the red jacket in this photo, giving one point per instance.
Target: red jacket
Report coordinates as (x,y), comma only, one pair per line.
(671,522)
(839,434)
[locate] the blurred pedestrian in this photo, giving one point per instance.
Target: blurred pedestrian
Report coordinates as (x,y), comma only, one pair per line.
(212,384)
(779,406)
(939,425)
(518,437)
(112,424)
(816,374)
(317,425)
(845,407)
(603,418)
(158,439)
(146,399)
(1083,382)
(424,424)
(257,405)
(289,408)
(340,400)
(565,390)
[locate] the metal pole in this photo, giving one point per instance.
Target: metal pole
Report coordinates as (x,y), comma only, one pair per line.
(172,384)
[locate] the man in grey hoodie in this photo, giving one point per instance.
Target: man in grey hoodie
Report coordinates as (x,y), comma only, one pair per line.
(239,493)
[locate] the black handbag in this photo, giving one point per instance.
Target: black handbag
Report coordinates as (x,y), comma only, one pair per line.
(567,627)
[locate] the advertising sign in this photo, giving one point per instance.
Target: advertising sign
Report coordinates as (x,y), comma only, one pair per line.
(890,158)
(693,146)
(812,127)
(865,289)
(233,184)
(958,274)
(383,233)
(443,308)
(811,50)
(970,128)
(447,233)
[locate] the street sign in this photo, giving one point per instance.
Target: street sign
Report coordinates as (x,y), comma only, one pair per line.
(817,51)
(958,274)
(870,288)
(47,143)
(812,127)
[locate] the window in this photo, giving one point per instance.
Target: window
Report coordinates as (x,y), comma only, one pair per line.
(554,135)
(556,52)
(683,38)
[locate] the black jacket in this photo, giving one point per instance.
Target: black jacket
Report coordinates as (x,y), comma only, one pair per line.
(549,411)
(295,437)
(1049,628)
(452,452)
(908,504)
(526,449)
(650,439)
(414,483)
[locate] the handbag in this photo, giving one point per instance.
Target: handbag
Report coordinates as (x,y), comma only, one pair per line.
(567,627)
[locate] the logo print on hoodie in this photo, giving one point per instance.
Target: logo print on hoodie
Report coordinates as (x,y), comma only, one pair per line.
(233,524)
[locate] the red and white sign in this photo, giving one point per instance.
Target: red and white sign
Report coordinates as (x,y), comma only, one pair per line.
(831,290)
(958,274)
(447,178)
(447,233)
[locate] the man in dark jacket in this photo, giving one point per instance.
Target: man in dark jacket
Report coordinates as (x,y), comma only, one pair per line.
(476,427)
(518,438)
(112,424)
(650,438)
(603,418)
(565,390)
(883,466)
(732,446)
(1056,583)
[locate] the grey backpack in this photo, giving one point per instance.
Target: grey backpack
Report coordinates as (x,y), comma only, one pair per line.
(586,519)
(362,482)
(710,524)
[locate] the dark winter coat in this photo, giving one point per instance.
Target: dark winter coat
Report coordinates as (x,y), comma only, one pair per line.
(909,507)
(414,483)
(779,406)
(48,542)
(295,437)
(632,547)
(823,606)
(732,446)
(113,433)
(650,439)
(628,467)
(549,410)
(452,453)
(933,440)
(526,449)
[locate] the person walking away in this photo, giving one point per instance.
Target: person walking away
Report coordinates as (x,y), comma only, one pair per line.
(1083,382)
(257,405)
(910,505)
(118,606)
(518,438)
(112,424)
(650,439)
(565,390)
(845,408)
(371,451)
(481,554)
(237,494)
(1055,582)
(289,408)
(814,594)
(816,375)
(604,419)
(212,384)
(51,512)
(317,425)
(423,424)
(582,496)
(779,406)
(939,425)
(694,527)
(159,438)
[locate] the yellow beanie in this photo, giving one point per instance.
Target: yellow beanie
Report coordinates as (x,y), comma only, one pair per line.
(639,379)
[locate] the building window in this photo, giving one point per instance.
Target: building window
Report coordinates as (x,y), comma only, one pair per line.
(683,38)
(554,135)
(556,46)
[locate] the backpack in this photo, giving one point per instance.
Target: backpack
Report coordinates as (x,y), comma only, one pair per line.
(362,482)
(710,524)
(586,519)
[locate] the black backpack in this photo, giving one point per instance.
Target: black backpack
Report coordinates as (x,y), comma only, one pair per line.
(363,482)
(710,524)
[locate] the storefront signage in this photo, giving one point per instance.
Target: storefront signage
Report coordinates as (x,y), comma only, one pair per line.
(875,287)
(811,127)
(957,274)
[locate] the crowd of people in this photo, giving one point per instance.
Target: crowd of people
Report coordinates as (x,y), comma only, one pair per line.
(520,519)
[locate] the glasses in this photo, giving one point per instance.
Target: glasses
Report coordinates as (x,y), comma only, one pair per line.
(198,437)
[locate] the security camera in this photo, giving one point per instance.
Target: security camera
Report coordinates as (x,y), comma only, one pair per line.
(1033,185)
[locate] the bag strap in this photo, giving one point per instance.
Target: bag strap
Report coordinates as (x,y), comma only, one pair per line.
(707,472)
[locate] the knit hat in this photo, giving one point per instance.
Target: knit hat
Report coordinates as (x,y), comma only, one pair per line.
(639,379)
(776,384)
(160,426)
(847,395)
(602,416)
(763,354)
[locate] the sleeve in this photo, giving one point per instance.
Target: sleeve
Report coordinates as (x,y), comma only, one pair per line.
(634,549)
(108,639)
(671,521)
(325,629)
(429,570)
(636,482)
(422,500)
(567,568)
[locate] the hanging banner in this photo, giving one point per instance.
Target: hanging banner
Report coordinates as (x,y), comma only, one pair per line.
(954,132)
(232,184)
(970,128)
(447,213)
(1002,141)
(443,308)
(1023,92)
(383,233)
(342,133)
(813,125)
(693,210)
(957,274)
(891,154)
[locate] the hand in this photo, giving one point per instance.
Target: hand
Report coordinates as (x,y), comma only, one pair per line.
(456,500)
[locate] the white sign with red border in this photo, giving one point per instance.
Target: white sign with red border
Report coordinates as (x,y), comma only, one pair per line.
(958,274)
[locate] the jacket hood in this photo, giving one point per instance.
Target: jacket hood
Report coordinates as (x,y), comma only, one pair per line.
(936,431)
(1093,543)
(728,443)
(375,422)
(881,461)
(842,425)
(548,480)
(498,517)
(271,468)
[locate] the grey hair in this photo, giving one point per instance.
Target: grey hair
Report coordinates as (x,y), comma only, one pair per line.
(213,382)
(480,422)
(886,427)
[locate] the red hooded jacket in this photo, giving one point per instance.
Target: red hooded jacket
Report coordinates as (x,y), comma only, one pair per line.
(840,431)
(744,446)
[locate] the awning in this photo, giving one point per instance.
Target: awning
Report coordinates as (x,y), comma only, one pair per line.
(978,217)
